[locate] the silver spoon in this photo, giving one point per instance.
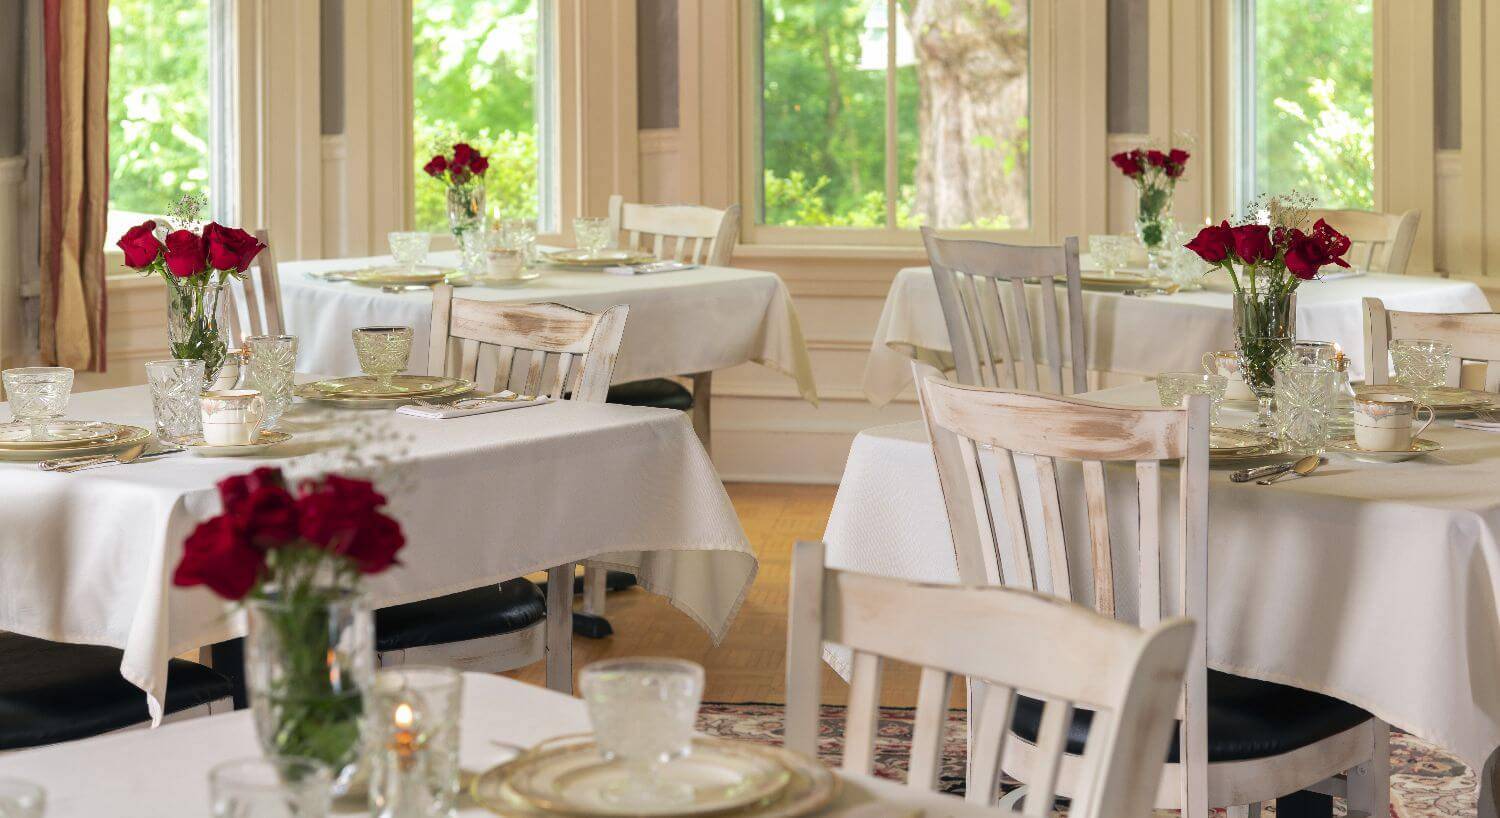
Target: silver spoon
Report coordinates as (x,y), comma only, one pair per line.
(1301,468)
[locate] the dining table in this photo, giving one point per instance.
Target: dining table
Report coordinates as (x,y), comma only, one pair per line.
(683,322)
(1133,336)
(1375,583)
(163,773)
(87,557)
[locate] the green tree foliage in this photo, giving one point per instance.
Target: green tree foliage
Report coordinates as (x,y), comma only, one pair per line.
(474,74)
(158,102)
(1314,100)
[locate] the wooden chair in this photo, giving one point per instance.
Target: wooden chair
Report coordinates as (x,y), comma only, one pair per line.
(1020,643)
(258,296)
(537,349)
(1381,241)
(1243,741)
(991,337)
(1475,337)
(694,235)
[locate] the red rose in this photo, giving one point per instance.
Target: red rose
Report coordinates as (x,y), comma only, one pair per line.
(341,515)
(1178,156)
(1252,243)
(1213,243)
(230,248)
(1129,162)
(464,153)
(141,245)
(436,165)
(1335,243)
(187,255)
(217,555)
(479,165)
(1156,158)
(1310,253)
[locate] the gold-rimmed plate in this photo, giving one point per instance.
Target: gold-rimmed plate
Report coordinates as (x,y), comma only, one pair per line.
(1350,448)
(602,258)
(124,437)
(267,438)
(1445,399)
(809,786)
(1120,280)
(61,434)
(340,392)
(384,276)
(1223,440)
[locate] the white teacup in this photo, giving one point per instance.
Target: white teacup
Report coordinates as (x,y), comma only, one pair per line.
(1383,421)
(1226,362)
(232,417)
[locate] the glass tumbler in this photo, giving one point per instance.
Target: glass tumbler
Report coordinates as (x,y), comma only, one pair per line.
(591,233)
(411,736)
(409,247)
(20,798)
(1305,404)
(272,359)
(383,352)
(1420,364)
(642,710)
(519,236)
(37,395)
(284,787)
(1172,387)
(175,384)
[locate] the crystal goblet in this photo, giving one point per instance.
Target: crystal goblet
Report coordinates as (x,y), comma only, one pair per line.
(592,234)
(1420,364)
(38,394)
(1172,387)
(383,352)
(642,710)
(286,787)
(409,247)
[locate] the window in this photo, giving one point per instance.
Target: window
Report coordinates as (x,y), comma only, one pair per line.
(1307,100)
(482,74)
(888,115)
(167,120)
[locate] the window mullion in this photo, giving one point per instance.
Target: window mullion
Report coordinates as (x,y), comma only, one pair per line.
(891,182)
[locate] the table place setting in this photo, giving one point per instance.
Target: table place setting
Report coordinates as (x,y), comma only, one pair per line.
(38,431)
(383,353)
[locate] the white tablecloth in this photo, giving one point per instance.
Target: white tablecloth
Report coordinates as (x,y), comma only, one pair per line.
(164,773)
(682,323)
(1376,584)
(88,557)
(1142,336)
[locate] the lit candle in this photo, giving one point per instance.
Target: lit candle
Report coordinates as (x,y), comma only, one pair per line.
(404,743)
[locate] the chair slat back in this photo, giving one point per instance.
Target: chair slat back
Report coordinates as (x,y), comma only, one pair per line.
(1380,242)
(1020,643)
(691,234)
(991,323)
(995,447)
(252,305)
(1475,337)
(548,350)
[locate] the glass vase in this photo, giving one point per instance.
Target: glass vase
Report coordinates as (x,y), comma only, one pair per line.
(194,330)
(1153,221)
(309,657)
(465,210)
(1265,329)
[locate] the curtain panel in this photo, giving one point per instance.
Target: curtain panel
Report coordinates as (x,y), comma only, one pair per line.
(75,180)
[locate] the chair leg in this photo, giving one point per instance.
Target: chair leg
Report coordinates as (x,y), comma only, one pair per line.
(560,628)
(702,397)
(594,577)
(1369,784)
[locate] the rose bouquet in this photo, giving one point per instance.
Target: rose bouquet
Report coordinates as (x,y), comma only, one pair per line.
(463,174)
(195,263)
(1266,258)
(1155,174)
(294,560)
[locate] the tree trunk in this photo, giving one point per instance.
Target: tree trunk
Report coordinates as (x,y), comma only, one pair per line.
(975,160)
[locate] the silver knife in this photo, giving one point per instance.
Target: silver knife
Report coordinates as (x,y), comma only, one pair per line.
(1258,472)
(89,461)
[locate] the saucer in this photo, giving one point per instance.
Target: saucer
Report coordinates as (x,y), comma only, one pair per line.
(1350,449)
(268,438)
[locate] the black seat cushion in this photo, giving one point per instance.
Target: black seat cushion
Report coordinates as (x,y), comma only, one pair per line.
(487,611)
(1247,719)
(613,581)
(659,392)
(51,692)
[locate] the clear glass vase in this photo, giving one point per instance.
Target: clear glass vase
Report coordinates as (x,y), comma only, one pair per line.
(309,657)
(1153,223)
(465,210)
(194,322)
(1265,330)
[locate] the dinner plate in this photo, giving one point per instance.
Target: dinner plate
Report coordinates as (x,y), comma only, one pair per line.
(1445,399)
(197,445)
(1119,280)
(1349,448)
(383,276)
(368,386)
(445,389)
(1223,440)
(61,434)
(808,786)
(124,437)
(603,258)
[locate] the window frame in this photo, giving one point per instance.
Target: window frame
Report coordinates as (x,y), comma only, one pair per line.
(1041,76)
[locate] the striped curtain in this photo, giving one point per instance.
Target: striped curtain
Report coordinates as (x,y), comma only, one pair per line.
(75,180)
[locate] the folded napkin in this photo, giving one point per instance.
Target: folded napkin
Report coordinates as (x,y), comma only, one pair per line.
(1481,424)
(472,406)
(649,267)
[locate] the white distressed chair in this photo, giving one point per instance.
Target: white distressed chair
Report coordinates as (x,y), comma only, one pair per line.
(992,333)
(1380,242)
(988,442)
(253,304)
(1019,642)
(537,349)
(1475,337)
(694,235)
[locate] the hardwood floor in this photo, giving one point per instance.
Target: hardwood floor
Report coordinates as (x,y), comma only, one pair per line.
(749,666)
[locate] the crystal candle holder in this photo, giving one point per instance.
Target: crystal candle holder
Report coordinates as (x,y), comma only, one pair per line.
(411,736)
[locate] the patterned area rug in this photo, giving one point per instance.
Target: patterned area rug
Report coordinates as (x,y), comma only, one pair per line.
(1426,782)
